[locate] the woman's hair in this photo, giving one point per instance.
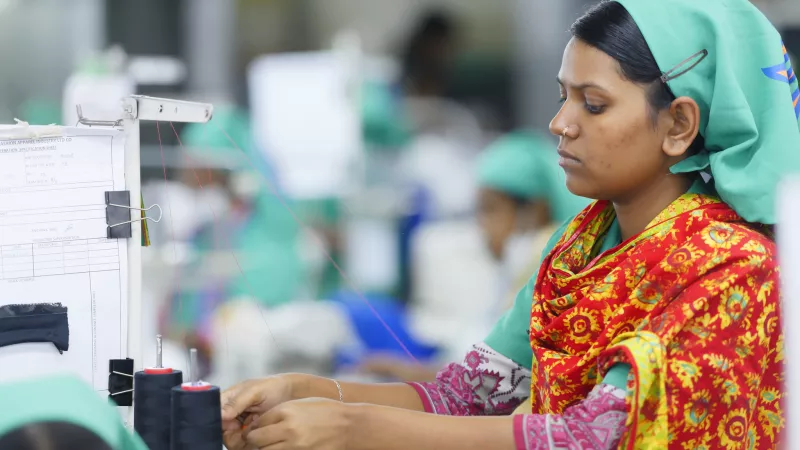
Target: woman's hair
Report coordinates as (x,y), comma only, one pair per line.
(52,436)
(609,28)
(434,27)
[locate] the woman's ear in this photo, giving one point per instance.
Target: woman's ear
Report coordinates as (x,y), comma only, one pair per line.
(685,119)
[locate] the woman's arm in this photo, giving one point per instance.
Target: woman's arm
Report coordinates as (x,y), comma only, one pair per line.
(498,386)
(396,395)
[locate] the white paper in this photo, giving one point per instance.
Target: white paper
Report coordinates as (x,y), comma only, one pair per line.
(53,249)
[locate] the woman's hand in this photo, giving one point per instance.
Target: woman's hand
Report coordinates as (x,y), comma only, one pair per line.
(244,401)
(318,424)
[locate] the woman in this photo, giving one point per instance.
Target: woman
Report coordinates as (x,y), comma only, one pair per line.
(522,200)
(60,413)
(654,319)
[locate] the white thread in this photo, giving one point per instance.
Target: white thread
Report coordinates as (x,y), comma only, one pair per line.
(122,392)
(123,374)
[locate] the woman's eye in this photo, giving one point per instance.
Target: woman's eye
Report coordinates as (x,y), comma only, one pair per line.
(594,109)
(562,99)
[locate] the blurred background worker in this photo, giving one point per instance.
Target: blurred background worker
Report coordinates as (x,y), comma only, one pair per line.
(253,231)
(522,201)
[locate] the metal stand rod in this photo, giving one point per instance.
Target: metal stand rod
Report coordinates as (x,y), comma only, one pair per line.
(194,369)
(159,352)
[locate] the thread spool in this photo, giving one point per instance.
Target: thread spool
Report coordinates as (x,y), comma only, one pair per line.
(152,394)
(196,413)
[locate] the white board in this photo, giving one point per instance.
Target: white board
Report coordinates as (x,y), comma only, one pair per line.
(789,254)
(304,119)
(53,248)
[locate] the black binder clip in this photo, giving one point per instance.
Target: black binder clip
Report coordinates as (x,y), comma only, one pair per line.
(120,381)
(118,214)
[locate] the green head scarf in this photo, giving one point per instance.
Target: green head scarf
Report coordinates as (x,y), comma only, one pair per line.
(745,87)
(525,165)
(206,143)
(64,399)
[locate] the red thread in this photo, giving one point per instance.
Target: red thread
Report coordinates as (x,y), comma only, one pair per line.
(171,223)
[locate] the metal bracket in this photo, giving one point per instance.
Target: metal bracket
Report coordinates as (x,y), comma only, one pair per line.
(98,123)
(151,108)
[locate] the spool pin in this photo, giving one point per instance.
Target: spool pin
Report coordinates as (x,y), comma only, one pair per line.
(194,371)
(158,369)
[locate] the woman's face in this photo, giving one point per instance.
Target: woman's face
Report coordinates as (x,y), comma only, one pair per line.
(611,148)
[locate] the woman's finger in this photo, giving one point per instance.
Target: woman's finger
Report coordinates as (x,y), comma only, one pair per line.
(234,440)
(239,399)
(267,436)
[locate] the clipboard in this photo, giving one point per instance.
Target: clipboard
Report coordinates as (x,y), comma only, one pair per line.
(47,161)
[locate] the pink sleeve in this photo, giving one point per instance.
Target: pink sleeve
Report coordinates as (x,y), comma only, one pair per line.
(489,384)
(596,423)
(486,383)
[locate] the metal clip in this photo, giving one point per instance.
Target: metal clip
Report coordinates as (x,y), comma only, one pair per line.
(671,75)
(154,205)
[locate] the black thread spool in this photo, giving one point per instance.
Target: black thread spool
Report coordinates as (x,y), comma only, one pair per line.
(152,397)
(196,414)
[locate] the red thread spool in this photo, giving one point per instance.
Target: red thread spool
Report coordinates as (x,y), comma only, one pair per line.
(195,387)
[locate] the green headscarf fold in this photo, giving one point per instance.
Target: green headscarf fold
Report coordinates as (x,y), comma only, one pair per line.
(383,121)
(525,165)
(64,399)
(746,90)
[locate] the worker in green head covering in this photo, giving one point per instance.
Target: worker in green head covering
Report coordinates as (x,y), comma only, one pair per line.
(523,194)
(522,200)
(254,242)
(60,413)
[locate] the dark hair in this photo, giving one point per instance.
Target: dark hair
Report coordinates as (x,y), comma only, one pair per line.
(609,27)
(52,436)
(433,27)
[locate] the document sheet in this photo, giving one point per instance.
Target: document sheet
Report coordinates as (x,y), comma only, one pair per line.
(53,249)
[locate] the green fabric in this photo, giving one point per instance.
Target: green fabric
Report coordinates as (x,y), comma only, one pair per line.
(40,112)
(510,337)
(64,399)
(205,143)
(617,376)
(383,121)
(745,89)
(525,165)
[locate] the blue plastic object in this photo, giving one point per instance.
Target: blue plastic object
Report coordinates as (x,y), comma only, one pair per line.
(374,337)
(407,227)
